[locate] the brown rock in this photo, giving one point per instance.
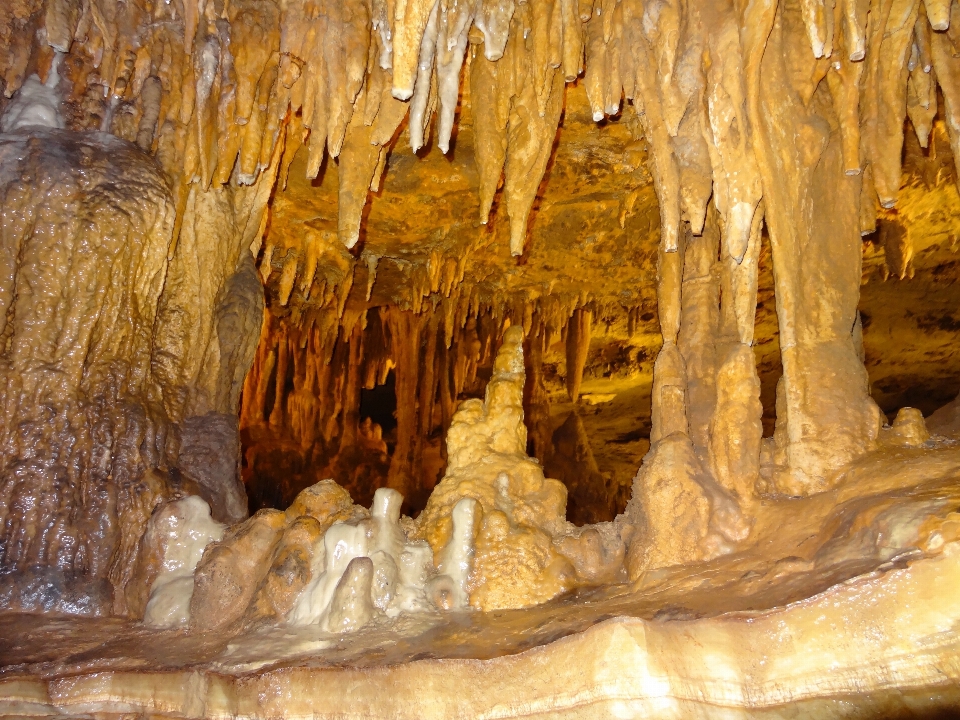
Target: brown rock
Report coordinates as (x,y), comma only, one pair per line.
(233,569)
(290,570)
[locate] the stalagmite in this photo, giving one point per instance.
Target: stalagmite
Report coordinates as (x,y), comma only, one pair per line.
(351,606)
(176,538)
(456,559)
(735,431)
(699,331)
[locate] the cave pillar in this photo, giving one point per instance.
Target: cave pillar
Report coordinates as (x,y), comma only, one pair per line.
(669,397)
(825,416)
(351,389)
(405,332)
(536,405)
(699,325)
(126,347)
(735,432)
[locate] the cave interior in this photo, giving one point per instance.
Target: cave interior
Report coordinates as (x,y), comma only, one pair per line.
(479,358)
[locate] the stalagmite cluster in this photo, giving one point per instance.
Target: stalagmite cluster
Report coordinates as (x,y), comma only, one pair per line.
(310,311)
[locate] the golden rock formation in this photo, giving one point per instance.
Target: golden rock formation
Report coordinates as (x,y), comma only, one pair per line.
(233,263)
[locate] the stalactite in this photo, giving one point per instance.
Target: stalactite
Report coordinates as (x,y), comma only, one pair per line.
(947,66)
(736,178)
(456,17)
(410,22)
(785,113)
(578,348)
(536,401)
(490,126)
(428,381)
(351,388)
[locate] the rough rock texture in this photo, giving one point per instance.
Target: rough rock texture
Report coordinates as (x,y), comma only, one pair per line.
(669,507)
(705,642)
(97,366)
(231,570)
(88,222)
(209,447)
(516,564)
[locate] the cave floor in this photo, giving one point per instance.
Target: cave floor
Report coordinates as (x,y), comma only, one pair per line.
(877,520)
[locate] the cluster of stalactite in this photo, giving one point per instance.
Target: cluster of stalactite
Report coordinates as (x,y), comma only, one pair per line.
(790,114)
(739,102)
(301,416)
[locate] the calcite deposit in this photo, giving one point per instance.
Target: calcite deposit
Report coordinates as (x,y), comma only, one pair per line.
(479,358)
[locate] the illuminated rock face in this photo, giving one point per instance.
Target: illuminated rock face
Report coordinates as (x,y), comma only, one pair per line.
(97,376)
(162,163)
(88,227)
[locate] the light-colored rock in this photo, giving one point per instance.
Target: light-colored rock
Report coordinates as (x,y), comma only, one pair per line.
(174,542)
(669,507)
(351,606)
(908,430)
(522,512)
(736,429)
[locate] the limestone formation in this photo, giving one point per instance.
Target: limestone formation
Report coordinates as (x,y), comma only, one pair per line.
(516,563)
(266,264)
(170,551)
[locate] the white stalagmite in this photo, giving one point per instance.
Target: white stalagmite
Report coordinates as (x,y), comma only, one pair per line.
(395,580)
(180,531)
(456,559)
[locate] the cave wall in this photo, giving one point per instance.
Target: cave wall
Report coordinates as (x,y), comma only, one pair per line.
(114,401)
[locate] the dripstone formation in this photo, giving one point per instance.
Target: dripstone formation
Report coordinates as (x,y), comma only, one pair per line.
(479,358)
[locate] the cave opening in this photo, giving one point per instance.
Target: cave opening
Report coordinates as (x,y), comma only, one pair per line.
(379,405)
